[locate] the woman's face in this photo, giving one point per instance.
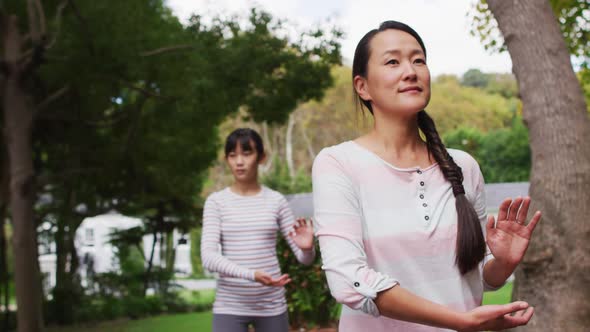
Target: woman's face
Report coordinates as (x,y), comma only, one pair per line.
(398,80)
(243,163)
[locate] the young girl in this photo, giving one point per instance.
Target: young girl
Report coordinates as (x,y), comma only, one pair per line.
(243,220)
(401,221)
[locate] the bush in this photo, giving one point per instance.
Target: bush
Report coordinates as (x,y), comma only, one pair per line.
(308,296)
(503,155)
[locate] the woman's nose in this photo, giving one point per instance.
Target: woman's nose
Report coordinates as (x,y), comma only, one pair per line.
(409,71)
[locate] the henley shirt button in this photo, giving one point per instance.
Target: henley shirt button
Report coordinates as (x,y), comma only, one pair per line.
(356,284)
(421,196)
(426,217)
(424,205)
(419,172)
(422,183)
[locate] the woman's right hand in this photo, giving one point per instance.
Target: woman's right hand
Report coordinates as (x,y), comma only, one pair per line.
(497,317)
(266,279)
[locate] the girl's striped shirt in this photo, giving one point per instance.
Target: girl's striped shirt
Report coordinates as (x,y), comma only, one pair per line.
(239,237)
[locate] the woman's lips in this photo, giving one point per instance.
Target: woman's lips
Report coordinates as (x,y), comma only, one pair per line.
(411,89)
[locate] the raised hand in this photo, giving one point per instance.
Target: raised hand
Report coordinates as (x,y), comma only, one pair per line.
(498,317)
(509,238)
(302,234)
(266,279)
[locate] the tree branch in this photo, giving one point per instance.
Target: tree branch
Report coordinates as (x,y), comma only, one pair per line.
(54,96)
(84,25)
(133,128)
(58,16)
(33,22)
(42,21)
(166,49)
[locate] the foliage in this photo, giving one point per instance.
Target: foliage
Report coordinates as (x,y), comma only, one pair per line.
(584,78)
(467,139)
(573,17)
(502,84)
(453,105)
(474,78)
(308,295)
(195,241)
(503,154)
(127,102)
(278,178)
(507,155)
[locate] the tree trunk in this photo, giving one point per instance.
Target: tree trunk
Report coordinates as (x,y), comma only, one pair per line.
(555,274)
(268,150)
(289,146)
(64,293)
(307,141)
(18,117)
(4,280)
(4,268)
(148,270)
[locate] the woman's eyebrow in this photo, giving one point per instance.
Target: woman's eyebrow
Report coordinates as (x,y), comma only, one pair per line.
(396,51)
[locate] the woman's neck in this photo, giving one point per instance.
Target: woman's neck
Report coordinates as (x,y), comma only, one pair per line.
(246,188)
(397,140)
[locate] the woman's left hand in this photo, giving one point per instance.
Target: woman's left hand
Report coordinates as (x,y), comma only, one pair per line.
(509,239)
(302,234)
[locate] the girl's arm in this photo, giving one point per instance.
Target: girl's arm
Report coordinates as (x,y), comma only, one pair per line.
(210,245)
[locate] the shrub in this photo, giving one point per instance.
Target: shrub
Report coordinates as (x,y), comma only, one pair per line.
(308,296)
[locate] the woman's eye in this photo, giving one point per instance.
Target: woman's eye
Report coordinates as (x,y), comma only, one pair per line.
(392,62)
(421,61)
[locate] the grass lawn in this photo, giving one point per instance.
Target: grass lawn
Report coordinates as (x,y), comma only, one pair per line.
(189,322)
(501,296)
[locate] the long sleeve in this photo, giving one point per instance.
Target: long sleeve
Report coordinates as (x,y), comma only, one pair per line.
(212,259)
(286,222)
(339,231)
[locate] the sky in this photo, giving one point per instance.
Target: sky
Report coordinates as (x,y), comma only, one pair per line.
(442,24)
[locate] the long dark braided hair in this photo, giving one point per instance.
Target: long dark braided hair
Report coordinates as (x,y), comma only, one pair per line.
(470,247)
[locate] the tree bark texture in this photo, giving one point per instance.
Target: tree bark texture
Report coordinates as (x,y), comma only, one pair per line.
(289,146)
(555,274)
(18,117)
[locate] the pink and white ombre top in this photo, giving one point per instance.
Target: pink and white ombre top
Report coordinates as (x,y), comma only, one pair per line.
(240,237)
(380,226)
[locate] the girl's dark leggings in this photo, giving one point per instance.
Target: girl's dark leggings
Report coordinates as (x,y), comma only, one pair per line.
(233,323)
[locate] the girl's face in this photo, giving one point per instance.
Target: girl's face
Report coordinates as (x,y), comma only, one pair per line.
(243,163)
(398,80)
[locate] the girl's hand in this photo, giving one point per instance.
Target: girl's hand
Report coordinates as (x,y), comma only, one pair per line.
(509,239)
(302,234)
(497,317)
(266,279)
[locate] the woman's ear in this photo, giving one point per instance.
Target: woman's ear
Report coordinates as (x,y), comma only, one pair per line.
(361,88)
(262,159)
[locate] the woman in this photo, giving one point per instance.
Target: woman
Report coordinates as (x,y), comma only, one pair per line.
(243,220)
(401,221)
